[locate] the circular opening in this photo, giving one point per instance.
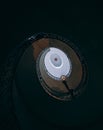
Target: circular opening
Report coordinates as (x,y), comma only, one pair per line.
(57,63)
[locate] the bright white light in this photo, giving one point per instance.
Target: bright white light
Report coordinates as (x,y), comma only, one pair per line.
(57,63)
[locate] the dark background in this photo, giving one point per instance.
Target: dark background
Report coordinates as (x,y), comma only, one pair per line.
(78,21)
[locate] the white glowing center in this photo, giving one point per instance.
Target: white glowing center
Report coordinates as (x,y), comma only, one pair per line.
(57,63)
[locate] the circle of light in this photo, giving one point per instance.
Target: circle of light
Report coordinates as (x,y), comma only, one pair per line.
(63,68)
